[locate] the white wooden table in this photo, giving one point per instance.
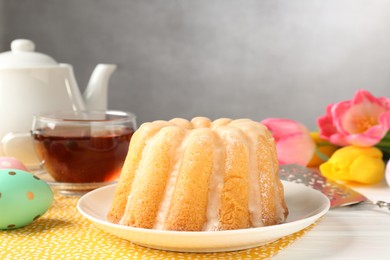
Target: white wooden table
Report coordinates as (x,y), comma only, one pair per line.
(354,232)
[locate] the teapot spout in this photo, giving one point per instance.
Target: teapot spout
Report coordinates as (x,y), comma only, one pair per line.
(95,95)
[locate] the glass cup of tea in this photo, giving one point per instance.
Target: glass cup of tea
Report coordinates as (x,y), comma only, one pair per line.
(82,150)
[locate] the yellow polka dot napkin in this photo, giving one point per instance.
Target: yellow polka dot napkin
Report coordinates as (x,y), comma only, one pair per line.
(62,233)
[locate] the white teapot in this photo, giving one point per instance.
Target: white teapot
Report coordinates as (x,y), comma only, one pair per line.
(32,82)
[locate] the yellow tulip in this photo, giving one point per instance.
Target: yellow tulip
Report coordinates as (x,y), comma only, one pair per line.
(323,147)
(353,163)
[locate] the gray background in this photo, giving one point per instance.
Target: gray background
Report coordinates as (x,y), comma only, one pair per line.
(217,58)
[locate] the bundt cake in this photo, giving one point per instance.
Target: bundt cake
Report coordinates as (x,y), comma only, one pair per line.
(200,175)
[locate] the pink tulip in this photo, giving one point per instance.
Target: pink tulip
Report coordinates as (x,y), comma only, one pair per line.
(293,142)
(362,121)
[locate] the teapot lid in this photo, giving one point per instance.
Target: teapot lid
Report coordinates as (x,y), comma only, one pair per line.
(23,54)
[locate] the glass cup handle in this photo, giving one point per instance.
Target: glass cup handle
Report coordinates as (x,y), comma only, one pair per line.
(20,146)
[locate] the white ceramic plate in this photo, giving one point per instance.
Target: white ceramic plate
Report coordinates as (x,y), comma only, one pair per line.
(305,206)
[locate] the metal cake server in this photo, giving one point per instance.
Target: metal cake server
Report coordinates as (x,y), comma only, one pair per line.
(338,194)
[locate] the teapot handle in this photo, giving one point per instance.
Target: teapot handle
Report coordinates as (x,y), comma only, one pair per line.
(20,146)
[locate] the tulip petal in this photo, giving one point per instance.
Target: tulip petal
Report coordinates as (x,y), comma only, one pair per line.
(338,112)
(384,119)
(369,138)
(325,122)
(367,170)
(297,149)
(338,139)
(282,128)
(363,95)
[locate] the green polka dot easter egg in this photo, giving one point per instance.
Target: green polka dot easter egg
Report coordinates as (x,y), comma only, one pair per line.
(23,198)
